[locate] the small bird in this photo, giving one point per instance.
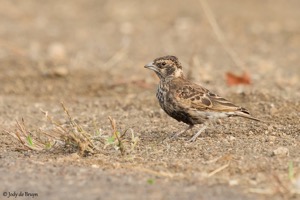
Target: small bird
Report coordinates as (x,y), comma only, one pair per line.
(188,102)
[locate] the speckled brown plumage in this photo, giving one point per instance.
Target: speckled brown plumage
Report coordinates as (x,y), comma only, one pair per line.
(188,102)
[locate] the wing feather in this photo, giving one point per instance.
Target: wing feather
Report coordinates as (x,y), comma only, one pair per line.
(191,95)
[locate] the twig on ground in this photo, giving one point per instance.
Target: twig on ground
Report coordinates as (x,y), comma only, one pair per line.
(218,170)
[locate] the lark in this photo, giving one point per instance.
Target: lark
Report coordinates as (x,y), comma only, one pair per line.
(188,102)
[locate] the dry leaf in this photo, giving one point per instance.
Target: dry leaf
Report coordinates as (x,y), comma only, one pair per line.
(233,79)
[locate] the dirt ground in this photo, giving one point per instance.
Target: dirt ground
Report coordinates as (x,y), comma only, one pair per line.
(90,55)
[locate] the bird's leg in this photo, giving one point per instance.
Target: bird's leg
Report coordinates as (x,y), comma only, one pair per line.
(197,134)
(181,132)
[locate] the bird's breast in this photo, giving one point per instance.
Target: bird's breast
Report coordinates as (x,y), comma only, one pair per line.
(161,95)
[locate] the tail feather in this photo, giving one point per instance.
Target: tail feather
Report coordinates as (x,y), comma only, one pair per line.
(245,115)
(243,112)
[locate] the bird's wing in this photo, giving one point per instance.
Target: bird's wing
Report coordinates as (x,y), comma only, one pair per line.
(191,95)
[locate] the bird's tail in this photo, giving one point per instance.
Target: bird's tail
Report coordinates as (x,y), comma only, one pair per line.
(246,115)
(242,112)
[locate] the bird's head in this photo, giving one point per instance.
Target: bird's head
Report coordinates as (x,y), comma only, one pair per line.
(166,67)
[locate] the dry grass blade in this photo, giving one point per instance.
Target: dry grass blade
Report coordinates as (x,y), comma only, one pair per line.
(218,170)
(25,138)
(281,188)
(267,191)
(117,57)
(116,135)
(120,140)
(72,135)
(77,136)
(220,36)
(153,172)
(137,82)
(57,124)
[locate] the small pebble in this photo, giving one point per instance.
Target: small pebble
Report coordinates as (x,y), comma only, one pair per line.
(233,182)
(281,151)
(57,51)
(60,71)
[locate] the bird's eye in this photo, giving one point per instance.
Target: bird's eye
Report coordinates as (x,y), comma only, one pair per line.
(163,64)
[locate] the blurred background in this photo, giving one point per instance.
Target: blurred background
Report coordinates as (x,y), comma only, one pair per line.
(94,44)
(91,56)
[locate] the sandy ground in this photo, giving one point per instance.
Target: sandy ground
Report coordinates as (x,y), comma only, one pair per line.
(90,55)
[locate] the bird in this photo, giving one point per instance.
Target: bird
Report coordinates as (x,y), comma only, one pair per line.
(189,102)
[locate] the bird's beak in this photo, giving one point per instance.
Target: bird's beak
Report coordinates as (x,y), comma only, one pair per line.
(151,66)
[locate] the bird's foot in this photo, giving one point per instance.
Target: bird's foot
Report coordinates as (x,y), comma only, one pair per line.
(174,136)
(193,139)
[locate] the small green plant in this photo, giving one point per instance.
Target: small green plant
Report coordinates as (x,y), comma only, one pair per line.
(116,138)
(26,139)
(119,140)
(29,140)
(150,181)
(111,140)
(291,171)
